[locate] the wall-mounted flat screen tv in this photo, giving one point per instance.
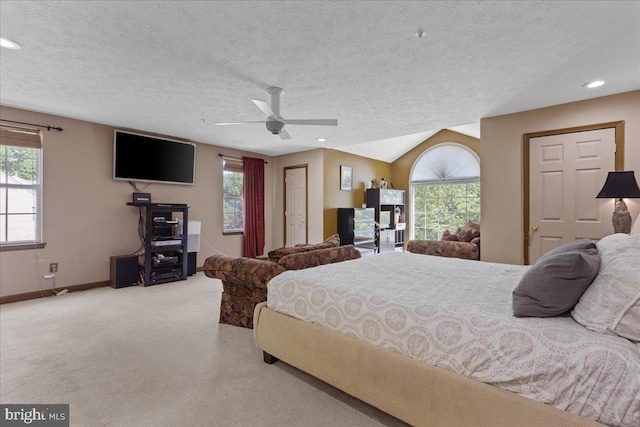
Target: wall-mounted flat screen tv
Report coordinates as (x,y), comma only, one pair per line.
(148,159)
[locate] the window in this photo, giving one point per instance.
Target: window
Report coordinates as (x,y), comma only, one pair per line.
(20,186)
(233,186)
(445,191)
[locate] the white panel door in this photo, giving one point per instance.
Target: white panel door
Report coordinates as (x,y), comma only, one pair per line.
(296,206)
(566,173)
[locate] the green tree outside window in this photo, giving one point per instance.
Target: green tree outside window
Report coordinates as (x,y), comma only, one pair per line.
(232,212)
(440,207)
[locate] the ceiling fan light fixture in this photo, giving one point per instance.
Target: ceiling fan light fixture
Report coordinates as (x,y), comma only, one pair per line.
(321,140)
(594,84)
(9,44)
(275,126)
(274,121)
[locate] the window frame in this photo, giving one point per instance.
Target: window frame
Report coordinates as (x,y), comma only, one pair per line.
(11,136)
(230,164)
(417,183)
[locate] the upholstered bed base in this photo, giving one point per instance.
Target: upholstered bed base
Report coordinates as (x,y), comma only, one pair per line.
(417,393)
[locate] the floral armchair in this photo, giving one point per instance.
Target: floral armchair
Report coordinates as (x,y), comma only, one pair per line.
(465,244)
(331,242)
(245,279)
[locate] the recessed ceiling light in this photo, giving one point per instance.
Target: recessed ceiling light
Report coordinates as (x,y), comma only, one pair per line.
(321,140)
(9,44)
(596,83)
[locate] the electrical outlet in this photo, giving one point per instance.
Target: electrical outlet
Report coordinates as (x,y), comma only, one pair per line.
(53,267)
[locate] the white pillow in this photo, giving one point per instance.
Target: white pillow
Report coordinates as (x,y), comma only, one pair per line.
(612,301)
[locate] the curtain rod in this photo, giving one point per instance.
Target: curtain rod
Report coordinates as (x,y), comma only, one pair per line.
(59,129)
(237,158)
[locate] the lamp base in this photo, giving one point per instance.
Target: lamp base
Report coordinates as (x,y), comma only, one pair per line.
(621,218)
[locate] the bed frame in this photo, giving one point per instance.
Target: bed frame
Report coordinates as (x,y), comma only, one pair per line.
(414,392)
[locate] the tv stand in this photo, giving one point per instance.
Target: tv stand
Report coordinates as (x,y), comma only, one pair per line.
(165,250)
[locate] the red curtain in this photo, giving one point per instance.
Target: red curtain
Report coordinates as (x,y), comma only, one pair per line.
(253,238)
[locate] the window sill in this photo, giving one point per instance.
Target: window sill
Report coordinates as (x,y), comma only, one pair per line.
(21,246)
(232,233)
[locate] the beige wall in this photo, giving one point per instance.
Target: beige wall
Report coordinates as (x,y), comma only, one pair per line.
(86,219)
(364,170)
(401,168)
(313,159)
(501,165)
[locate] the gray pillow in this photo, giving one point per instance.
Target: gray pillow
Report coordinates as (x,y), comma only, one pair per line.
(571,246)
(555,283)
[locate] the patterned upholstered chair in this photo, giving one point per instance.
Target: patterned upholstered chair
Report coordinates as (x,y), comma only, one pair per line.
(245,279)
(465,244)
(464,250)
(331,242)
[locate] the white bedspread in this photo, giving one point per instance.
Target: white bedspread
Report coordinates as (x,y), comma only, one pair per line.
(456,314)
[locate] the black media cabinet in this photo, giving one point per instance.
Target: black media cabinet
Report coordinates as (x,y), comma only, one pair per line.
(165,250)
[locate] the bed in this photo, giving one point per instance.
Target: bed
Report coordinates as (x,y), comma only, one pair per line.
(419,338)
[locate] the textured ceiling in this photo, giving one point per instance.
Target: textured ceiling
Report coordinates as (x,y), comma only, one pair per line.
(174,68)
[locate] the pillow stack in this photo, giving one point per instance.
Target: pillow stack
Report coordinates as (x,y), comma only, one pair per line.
(555,283)
(612,303)
(469,232)
(449,236)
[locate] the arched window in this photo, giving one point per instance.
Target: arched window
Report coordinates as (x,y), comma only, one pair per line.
(445,190)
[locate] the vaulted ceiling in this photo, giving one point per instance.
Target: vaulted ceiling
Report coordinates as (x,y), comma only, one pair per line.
(175,68)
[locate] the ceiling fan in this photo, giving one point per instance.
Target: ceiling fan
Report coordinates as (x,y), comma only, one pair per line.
(275,122)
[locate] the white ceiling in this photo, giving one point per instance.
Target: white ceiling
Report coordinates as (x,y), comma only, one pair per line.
(175,67)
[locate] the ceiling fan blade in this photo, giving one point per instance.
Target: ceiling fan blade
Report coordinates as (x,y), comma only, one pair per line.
(264,107)
(315,122)
(284,135)
(236,123)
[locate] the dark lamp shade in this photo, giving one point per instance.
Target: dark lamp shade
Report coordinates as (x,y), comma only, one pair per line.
(620,185)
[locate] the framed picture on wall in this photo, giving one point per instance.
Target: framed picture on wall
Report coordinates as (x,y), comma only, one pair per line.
(346,178)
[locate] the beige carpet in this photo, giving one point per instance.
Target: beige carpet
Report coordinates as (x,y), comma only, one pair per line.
(157,356)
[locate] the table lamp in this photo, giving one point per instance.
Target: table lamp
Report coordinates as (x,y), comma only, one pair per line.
(620,185)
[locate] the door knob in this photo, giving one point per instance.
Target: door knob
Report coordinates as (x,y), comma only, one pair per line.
(535,228)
